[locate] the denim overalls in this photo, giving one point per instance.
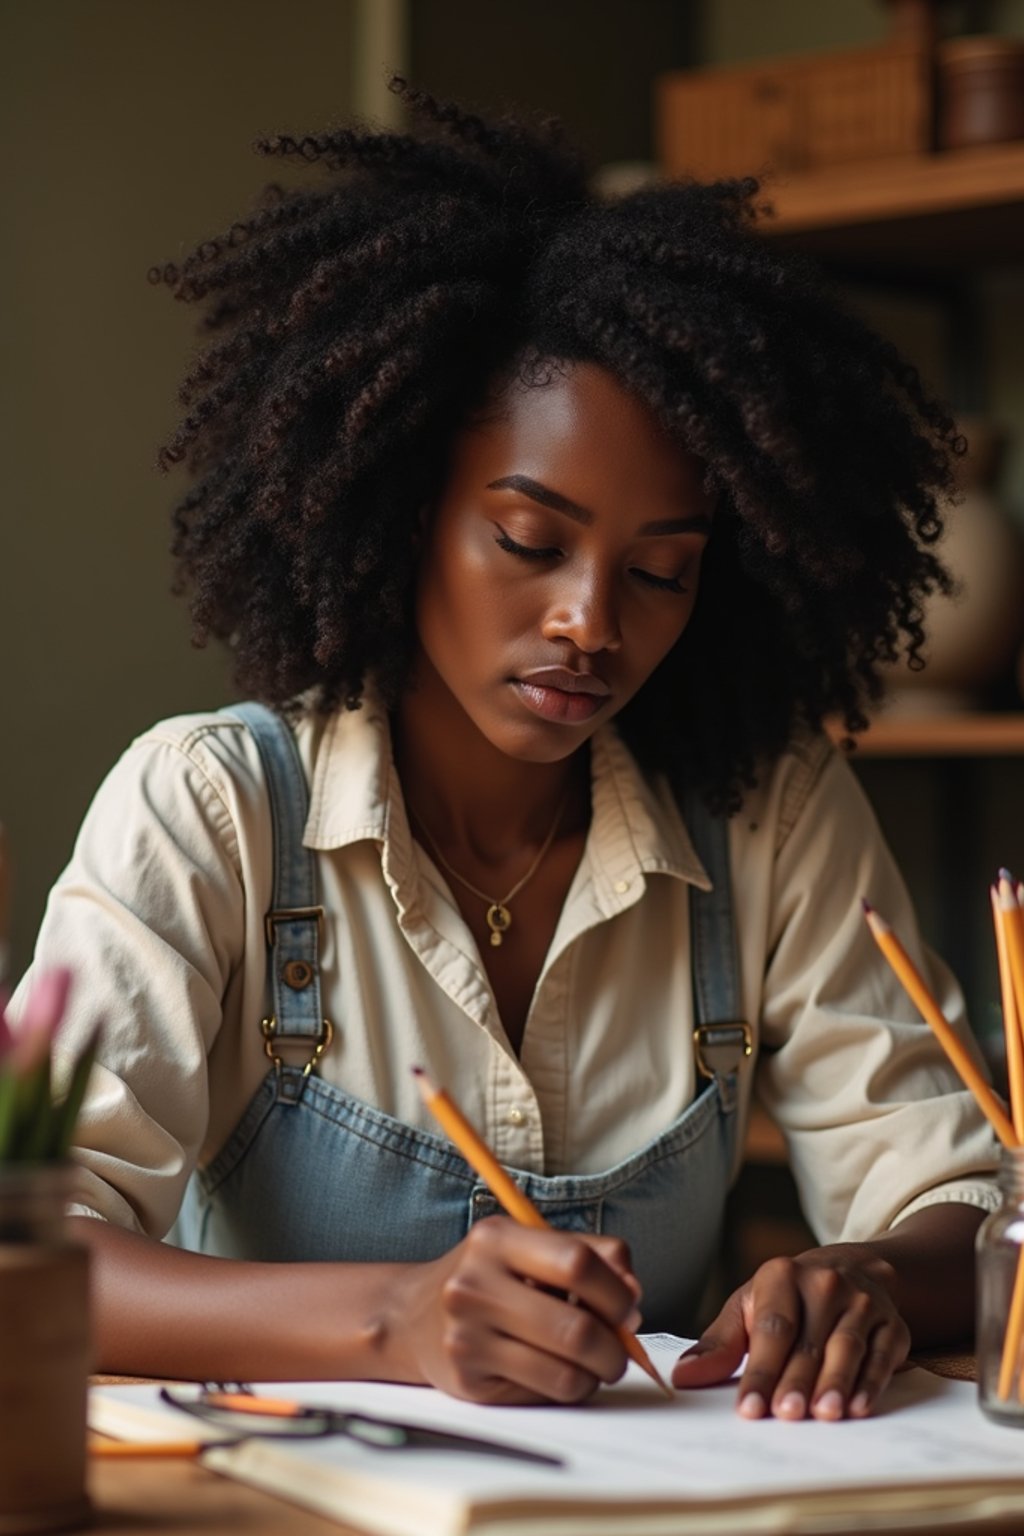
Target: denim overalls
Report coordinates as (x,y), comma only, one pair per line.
(312,1173)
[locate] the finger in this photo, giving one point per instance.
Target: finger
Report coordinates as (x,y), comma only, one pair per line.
(521,1374)
(886,1354)
(717,1352)
(616,1253)
(830,1344)
(560,1329)
(560,1351)
(562,1261)
(774,1316)
(486,1292)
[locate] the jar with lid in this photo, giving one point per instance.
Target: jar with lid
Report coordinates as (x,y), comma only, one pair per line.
(1000,1262)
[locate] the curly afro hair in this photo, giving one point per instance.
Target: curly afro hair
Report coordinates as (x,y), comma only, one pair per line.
(358,325)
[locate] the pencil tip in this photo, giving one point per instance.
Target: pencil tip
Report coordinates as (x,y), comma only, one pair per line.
(418,1072)
(1004,874)
(866,906)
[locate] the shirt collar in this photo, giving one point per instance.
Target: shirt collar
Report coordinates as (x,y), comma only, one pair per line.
(636,827)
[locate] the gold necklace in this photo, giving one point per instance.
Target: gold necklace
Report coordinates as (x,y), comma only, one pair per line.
(499,918)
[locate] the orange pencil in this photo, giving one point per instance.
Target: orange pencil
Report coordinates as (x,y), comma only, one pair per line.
(1011,1015)
(479,1157)
(126,1450)
(1012,913)
(1006,914)
(913,983)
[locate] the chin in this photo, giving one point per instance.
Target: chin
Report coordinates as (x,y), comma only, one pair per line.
(535,742)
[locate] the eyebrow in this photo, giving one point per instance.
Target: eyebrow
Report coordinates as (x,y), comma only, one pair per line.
(699,522)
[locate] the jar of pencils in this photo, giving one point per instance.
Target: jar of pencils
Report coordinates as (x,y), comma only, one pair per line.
(1000,1255)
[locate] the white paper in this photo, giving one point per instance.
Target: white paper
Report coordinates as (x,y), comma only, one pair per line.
(628,1444)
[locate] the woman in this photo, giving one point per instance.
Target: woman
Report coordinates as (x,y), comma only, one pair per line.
(555,528)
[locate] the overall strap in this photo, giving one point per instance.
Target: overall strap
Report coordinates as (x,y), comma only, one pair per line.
(294,924)
(722,1037)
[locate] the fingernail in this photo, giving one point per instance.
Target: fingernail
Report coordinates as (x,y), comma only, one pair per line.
(860,1405)
(695,1351)
(753,1406)
(793,1406)
(829,1405)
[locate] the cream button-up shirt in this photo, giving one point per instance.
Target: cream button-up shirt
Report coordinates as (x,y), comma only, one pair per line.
(160,915)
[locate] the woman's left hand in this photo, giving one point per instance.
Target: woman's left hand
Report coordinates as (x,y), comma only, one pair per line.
(821,1331)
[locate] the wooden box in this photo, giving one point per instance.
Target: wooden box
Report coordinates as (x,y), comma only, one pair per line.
(796,114)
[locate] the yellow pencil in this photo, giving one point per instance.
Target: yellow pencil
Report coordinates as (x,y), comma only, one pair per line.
(109,1450)
(479,1157)
(1002,896)
(1012,913)
(1006,913)
(913,983)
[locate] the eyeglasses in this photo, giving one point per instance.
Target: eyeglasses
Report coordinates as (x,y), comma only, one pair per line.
(237,1410)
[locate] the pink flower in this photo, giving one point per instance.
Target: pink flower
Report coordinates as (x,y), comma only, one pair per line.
(24,1045)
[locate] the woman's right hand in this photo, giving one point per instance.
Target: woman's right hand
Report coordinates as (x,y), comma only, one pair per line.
(492,1320)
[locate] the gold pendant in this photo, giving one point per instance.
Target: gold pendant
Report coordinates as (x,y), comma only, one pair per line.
(499,921)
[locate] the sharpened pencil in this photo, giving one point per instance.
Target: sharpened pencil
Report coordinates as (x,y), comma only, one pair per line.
(504,1189)
(914,985)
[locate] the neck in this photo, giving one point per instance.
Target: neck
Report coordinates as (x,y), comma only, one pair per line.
(466,793)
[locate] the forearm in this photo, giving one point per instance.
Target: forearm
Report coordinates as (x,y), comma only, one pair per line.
(161,1311)
(930,1275)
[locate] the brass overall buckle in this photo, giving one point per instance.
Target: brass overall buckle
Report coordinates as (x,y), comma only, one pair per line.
(719,1048)
(268,1029)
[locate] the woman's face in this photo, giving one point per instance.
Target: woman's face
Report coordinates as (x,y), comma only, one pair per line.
(561,562)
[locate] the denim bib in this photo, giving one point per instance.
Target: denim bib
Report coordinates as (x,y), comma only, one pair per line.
(310,1172)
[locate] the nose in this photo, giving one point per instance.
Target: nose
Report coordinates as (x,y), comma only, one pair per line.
(585,611)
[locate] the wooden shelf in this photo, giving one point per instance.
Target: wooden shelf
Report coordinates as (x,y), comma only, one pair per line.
(946,211)
(953,735)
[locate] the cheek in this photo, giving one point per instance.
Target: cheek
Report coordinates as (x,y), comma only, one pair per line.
(459,603)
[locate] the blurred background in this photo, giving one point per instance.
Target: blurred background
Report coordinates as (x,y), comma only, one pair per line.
(892,136)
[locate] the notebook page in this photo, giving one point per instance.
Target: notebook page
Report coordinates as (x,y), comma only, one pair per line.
(630,1444)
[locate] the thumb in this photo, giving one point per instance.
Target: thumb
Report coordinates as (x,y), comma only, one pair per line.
(717,1352)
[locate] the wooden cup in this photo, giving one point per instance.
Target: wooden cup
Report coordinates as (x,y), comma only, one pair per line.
(44,1367)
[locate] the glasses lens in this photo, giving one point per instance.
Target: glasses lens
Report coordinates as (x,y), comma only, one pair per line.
(375,1432)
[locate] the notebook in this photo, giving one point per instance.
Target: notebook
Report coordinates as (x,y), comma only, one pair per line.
(634,1464)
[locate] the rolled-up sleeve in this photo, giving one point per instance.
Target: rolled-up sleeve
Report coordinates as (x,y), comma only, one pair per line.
(877,1121)
(149,917)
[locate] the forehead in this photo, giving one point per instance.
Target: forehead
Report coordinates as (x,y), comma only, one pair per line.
(582,433)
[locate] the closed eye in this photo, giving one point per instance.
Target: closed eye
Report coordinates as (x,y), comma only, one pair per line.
(524,551)
(663,583)
(530,552)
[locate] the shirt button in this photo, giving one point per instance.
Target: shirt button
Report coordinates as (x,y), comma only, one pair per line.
(622,886)
(516,1116)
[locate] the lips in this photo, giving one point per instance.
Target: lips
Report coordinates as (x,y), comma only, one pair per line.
(558,694)
(566,681)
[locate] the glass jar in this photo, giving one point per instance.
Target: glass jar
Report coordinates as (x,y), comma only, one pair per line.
(1000,1260)
(44,1353)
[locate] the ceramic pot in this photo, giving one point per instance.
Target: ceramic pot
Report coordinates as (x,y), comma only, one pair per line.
(44,1355)
(972,637)
(981,91)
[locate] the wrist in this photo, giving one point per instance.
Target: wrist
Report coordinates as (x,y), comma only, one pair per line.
(382,1347)
(350,1321)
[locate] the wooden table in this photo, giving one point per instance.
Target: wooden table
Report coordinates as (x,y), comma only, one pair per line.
(182,1498)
